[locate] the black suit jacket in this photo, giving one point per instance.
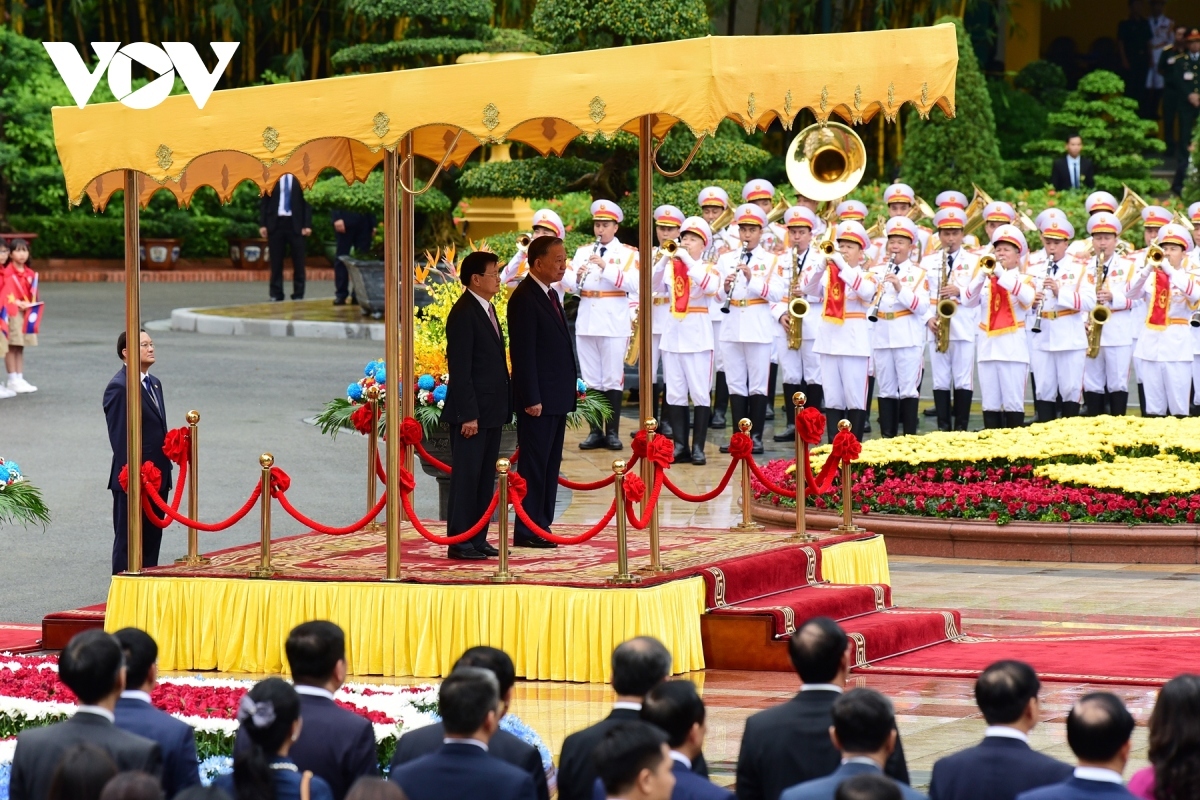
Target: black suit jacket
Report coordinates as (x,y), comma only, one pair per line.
(154,430)
(463,771)
(335,744)
(1060,174)
(997,768)
(175,738)
(39,750)
(503,745)
(480,387)
(790,744)
(543,353)
(268,210)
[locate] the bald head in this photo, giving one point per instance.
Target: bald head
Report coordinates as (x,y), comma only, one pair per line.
(1098,728)
(639,665)
(817,650)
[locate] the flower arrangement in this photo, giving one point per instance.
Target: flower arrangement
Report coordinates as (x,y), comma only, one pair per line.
(20,501)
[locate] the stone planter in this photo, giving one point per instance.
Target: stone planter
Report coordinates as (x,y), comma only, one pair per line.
(438,446)
(249,253)
(160,254)
(367,279)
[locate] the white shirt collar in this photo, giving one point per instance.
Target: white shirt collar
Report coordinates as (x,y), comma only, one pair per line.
(681,758)
(822,687)
(314,691)
(135,694)
(1099,774)
(536,280)
(1071,158)
(285,187)
(98,711)
(457,740)
(628,706)
(485,303)
(1005,732)
(144,376)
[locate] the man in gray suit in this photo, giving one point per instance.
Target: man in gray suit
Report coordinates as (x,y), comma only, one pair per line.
(92,666)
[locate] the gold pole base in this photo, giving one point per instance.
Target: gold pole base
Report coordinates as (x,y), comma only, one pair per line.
(802,537)
(650,569)
(503,577)
(193,561)
(398,579)
(623,579)
(261,572)
(374,527)
(746,527)
(849,529)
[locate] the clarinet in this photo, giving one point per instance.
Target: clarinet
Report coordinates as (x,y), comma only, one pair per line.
(729,299)
(583,273)
(1037,314)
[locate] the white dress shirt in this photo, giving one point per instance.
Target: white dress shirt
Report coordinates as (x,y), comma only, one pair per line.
(1099,774)
(314,691)
(458,740)
(98,711)
(134,694)
(1073,171)
(1005,732)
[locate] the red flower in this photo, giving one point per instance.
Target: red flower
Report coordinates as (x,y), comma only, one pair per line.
(361,419)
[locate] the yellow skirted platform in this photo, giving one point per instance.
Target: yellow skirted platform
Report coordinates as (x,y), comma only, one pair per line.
(860,562)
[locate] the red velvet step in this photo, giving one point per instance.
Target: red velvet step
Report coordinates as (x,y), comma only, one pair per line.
(791,609)
(750,577)
(59,626)
(894,631)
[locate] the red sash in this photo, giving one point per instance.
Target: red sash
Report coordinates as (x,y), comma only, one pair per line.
(681,288)
(1002,318)
(1156,318)
(835,296)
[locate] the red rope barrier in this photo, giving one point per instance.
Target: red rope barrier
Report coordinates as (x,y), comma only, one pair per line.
(151,496)
(152,479)
(704,497)
(586,487)
(406,498)
(287,506)
(635,490)
(516,494)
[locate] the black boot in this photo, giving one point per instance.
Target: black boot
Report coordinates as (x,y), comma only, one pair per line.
(1014,419)
(720,401)
(1070,409)
(758,412)
(738,407)
(701,415)
(815,396)
(613,438)
(1118,403)
(866,425)
(962,408)
(678,417)
(1094,403)
(993,419)
(772,377)
(665,422)
(910,418)
(832,417)
(1043,410)
(788,434)
(1142,398)
(594,440)
(889,417)
(859,422)
(941,404)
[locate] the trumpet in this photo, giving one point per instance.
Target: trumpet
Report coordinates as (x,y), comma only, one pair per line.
(669,247)
(1194,320)
(873,311)
(1037,313)
(1155,256)
(988,265)
(946,308)
(797,306)
(523,242)
(729,299)
(1100,315)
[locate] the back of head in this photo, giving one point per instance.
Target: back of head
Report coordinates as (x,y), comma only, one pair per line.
(863,720)
(372,788)
(266,713)
(466,698)
(203,793)
(1098,727)
(1175,737)
(81,773)
(313,651)
(639,665)
(132,786)
(141,651)
(495,661)
(674,707)
(540,246)
(626,750)
(817,650)
(868,787)
(91,665)
(1003,691)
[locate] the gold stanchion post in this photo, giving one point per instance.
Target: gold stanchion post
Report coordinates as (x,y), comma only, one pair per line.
(802,534)
(133,372)
(623,576)
(372,457)
(395,248)
(264,568)
(747,525)
(193,557)
(655,567)
(847,525)
(502,575)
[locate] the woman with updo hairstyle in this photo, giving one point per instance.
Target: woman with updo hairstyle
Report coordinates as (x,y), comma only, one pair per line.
(1174,771)
(269,715)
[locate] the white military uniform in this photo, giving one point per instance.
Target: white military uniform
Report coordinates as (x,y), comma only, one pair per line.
(844,340)
(748,329)
(803,365)
(608,299)
(898,337)
(687,344)
(661,319)
(953,369)
(1109,371)
(1057,353)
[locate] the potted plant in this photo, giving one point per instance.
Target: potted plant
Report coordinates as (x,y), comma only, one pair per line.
(20,501)
(160,253)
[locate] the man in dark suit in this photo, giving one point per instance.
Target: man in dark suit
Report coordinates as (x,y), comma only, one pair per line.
(352,231)
(91,667)
(1098,731)
(478,401)
(864,732)
(334,743)
(503,745)
(1003,765)
(543,379)
(285,220)
(462,769)
(790,744)
(675,708)
(1073,170)
(634,762)
(136,714)
(154,433)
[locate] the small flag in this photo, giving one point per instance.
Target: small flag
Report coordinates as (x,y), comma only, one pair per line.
(4,320)
(33,319)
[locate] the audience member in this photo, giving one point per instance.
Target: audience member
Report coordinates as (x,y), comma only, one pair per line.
(1171,96)
(789,744)
(81,773)
(503,745)
(269,715)
(135,713)
(1003,765)
(675,708)
(134,786)
(19,295)
(1133,43)
(864,731)
(1160,26)
(1174,769)
(469,704)
(1073,170)
(1098,731)
(868,787)
(371,788)
(634,763)
(92,667)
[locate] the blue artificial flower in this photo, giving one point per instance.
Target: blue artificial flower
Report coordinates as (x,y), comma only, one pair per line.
(5,779)
(213,766)
(4,474)
(381,374)
(439,394)
(355,392)
(425,383)
(511,723)
(580,386)
(13,470)
(372,367)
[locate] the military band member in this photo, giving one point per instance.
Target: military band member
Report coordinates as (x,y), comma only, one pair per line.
(1153,218)
(853,210)
(762,194)
(713,202)
(953,387)
(844,344)
(801,368)
(1096,203)
(1194,216)
(1165,346)
(901,200)
(545,223)
(953,199)
(995,214)
(1003,296)
(1063,298)
(687,343)
(812,205)
(667,219)
(605,276)
(751,281)
(1106,377)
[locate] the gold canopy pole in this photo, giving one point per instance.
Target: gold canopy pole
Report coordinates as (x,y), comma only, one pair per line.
(393,230)
(133,373)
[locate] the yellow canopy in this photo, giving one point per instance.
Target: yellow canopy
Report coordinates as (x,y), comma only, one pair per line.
(258,133)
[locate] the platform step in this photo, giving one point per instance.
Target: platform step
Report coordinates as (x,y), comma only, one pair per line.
(59,626)
(900,630)
(793,608)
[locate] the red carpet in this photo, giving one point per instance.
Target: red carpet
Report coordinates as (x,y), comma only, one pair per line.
(1149,659)
(16,637)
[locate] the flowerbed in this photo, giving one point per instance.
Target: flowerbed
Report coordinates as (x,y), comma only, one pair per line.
(1126,470)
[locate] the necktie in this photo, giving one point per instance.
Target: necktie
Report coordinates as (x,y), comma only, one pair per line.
(553,295)
(285,185)
(495,322)
(1074,174)
(150,391)
(602,249)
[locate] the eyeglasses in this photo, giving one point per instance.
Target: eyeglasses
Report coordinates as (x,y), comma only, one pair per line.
(145,345)
(495,275)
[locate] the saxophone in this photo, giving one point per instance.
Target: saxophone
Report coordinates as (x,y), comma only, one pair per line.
(1100,315)
(797,306)
(946,307)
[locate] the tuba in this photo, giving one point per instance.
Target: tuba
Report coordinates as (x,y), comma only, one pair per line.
(778,210)
(825,161)
(1100,315)
(946,308)
(797,306)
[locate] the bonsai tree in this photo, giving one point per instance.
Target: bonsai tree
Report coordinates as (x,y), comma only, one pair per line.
(572,25)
